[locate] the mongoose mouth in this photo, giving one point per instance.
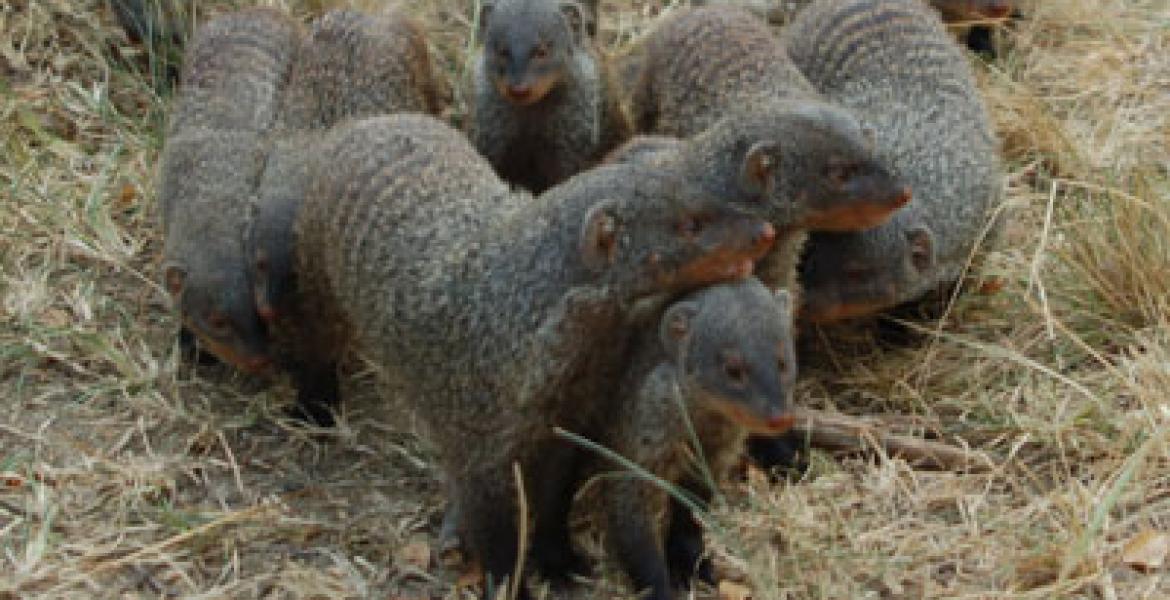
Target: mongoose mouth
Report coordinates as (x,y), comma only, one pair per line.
(755,423)
(858,216)
(527,93)
(839,311)
(256,364)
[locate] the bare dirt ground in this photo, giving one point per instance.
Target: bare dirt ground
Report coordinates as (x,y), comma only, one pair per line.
(125,473)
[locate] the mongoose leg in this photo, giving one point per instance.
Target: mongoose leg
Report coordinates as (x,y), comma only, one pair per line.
(685,550)
(633,539)
(317,393)
(191,352)
(492,529)
(552,548)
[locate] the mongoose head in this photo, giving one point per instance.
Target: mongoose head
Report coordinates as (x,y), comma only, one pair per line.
(808,165)
(650,232)
(972,10)
(733,344)
(528,45)
(847,275)
(216,306)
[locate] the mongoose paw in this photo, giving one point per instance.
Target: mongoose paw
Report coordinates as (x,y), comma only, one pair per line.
(191,352)
(784,454)
(312,413)
(559,566)
(318,392)
(686,560)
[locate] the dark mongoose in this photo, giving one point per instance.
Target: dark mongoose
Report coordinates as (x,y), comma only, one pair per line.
(893,64)
(721,361)
(488,306)
(351,66)
(234,71)
(209,169)
(544,106)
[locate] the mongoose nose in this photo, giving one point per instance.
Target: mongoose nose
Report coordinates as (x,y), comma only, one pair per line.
(519,93)
(766,236)
(997,10)
(257,364)
(903,197)
(781,422)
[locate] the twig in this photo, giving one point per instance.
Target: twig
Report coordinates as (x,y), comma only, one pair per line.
(842,432)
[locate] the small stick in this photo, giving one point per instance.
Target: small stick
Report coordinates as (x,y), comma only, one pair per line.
(835,431)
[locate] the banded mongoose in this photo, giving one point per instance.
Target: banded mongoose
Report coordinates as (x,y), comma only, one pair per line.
(206,179)
(352,65)
(355,64)
(969,17)
(234,71)
(892,63)
(717,72)
(488,306)
(211,163)
(802,166)
(544,106)
(721,361)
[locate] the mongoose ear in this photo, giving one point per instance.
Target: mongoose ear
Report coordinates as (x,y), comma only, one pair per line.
(676,325)
(921,244)
(579,23)
(758,171)
(174,277)
(599,236)
(485,14)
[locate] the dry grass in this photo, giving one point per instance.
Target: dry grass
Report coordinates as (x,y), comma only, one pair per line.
(126,474)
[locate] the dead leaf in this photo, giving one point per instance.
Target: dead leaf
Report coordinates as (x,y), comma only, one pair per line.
(12,480)
(730,590)
(1146,551)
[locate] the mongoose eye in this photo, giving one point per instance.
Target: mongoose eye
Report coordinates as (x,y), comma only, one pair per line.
(856,274)
(840,173)
(690,226)
(735,370)
(540,51)
(218,323)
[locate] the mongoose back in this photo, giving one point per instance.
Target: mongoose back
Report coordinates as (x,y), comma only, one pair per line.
(211,163)
(234,71)
(486,305)
(723,359)
(352,65)
(698,64)
(892,63)
(544,107)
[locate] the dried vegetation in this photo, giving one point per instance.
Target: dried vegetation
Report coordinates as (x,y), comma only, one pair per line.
(124,473)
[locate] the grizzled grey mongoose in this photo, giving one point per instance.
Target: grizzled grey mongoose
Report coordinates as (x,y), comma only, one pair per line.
(211,162)
(892,63)
(490,307)
(352,65)
(720,364)
(543,105)
(716,72)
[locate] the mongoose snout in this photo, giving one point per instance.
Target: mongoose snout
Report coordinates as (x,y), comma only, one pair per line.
(728,246)
(871,201)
